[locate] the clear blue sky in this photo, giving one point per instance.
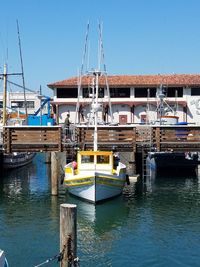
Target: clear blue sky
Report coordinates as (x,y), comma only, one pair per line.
(139,36)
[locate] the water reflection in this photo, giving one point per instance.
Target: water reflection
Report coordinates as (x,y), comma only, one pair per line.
(27,180)
(155,223)
(98,228)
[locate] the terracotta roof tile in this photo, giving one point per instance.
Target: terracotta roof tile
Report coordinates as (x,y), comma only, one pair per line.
(135,80)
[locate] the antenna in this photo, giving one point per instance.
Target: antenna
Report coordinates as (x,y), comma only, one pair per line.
(22,69)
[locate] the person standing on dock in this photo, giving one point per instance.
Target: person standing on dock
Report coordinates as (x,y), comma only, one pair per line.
(67,126)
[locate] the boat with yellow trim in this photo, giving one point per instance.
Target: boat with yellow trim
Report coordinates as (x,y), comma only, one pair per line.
(99,175)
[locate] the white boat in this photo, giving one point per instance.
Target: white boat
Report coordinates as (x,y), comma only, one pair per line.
(97,175)
(3,260)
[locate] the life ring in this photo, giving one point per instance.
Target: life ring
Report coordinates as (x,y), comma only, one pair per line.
(197,103)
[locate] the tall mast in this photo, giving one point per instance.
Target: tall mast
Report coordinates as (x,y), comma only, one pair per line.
(4,93)
(102,60)
(96,107)
(81,74)
(22,69)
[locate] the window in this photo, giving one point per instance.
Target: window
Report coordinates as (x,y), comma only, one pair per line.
(195,91)
(102,159)
(168,91)
(67,92)
(21,104)
(119,92)
(88,91)
(87,159)
(1,104)
(145,92)
(30,104)
(174,91)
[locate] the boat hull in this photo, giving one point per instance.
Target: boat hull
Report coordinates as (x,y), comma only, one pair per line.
(172,162)
(96,187)
(3,260)
(16,160)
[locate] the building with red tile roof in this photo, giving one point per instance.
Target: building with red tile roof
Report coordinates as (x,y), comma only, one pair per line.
(135,80)
(133,97)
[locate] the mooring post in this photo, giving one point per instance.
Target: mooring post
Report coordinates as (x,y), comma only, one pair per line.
(48,157)
(54,173)
(68,234)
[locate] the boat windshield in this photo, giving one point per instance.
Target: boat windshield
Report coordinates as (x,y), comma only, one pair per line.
(99,159)
(102,159)
(87,159)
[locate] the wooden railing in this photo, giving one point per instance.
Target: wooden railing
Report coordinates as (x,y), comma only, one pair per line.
(179,138)
(131,138)
(32,138)
(106,135)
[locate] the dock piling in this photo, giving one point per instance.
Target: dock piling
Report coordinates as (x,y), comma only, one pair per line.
(68,234)
(54,173)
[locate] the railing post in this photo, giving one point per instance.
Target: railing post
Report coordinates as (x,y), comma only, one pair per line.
(60,139)
(7,139)
(158,138)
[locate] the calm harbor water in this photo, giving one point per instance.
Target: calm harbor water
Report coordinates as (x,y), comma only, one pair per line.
(153,225)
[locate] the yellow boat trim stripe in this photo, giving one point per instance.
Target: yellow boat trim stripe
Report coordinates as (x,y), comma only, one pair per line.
(79,179)
(90,183)
(78,184)
(109,184)
(110,178)
(106,183)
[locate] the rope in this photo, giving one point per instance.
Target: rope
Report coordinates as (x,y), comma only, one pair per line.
(49,260)
(59,257)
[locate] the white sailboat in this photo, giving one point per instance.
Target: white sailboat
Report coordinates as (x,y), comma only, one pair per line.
(97,175)
(16,159)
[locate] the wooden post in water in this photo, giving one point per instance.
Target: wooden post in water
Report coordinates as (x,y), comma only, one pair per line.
(68,234)
(48,157)
(54,173)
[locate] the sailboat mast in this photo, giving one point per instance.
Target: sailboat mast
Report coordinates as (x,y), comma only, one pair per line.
(22,69)
(4,93)
(80,75)
(102,60)
(96,73)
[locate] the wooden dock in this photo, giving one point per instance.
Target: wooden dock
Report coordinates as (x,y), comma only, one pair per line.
(121,138)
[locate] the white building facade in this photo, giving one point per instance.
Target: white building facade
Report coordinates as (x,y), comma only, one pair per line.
(133,98)
(15,101)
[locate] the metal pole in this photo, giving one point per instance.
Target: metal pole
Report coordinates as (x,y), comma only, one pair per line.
(4,93)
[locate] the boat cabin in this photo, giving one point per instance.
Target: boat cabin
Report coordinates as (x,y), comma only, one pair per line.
(95,160)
